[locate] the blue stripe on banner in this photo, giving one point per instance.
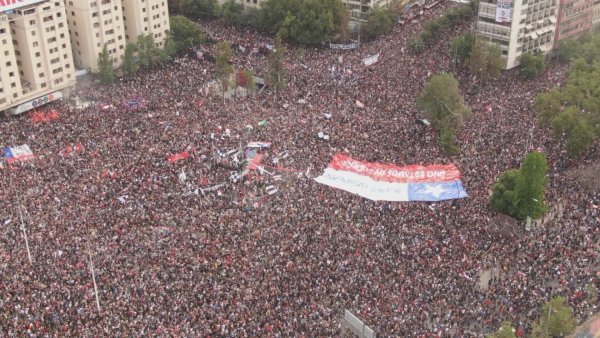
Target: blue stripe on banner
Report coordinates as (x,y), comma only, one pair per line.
(436,191)
(7,152)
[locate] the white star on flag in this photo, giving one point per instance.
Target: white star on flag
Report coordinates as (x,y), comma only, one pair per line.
(434,190)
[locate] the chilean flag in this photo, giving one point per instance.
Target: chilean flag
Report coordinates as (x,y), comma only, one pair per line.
(383,182)
(15,154)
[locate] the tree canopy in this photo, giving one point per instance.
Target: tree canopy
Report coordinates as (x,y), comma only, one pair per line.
(224,68)
(442,102)
(520,193)
(556,319)
(307,22)
(485,60)
(195,9)
(184,33)
(505,331)
(106,72)
(148,53)
(276,77)
(445,107)
(461,46)
(573,111)
(232,12)
(532,65)
(381,21)
(129,65)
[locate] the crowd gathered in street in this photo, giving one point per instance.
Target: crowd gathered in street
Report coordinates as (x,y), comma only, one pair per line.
(141,220)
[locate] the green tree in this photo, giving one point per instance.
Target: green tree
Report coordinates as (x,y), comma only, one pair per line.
(199,9)
(556,319)
(250,83)
(503,193)
(416,45)
(148,53)
(106,72)
(567,49)
(549,105)
(485,60)
(307,22)
(520,193)
(461,46)
(442,102)
(277,74)
(531,187)
(129,65)
(381,21)
(448,140)
(184,33)
(574,110)
(505,331)
(224,68)
(273,12)
(532,65)
(232,12)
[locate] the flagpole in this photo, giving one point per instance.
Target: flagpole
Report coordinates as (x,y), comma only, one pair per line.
(25,235)
(92,269)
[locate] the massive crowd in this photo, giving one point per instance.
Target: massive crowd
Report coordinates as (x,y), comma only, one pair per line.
(179,249)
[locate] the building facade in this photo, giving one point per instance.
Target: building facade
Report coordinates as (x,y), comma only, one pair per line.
(574,18)
(37,64)
(146,17)
(359,9)
(94,24)
(517,27)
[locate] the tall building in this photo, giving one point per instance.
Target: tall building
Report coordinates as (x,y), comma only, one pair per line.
(37,65)
(517,27)
(94,24)
(574,18)
(146,17)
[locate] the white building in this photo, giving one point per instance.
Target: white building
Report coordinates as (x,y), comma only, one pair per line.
(517,27)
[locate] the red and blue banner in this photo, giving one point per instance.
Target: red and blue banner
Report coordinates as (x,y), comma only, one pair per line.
(388,182)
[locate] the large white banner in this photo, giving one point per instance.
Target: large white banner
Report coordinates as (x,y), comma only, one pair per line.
(382,182)
(504,11)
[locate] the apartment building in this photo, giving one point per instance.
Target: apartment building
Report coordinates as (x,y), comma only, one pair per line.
(517,27)
(94,24)
(574,18)
(359,8)
(37,65)
(146,17)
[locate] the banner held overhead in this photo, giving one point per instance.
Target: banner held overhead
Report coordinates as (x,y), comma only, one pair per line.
(382,182)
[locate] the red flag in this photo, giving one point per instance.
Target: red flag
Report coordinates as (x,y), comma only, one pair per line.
(180,156)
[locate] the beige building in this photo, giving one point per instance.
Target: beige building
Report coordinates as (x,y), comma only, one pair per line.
(94,24)
(517,27)
(37,65)
(146,17)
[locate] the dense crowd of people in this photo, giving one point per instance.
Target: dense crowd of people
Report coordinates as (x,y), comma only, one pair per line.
(179,248)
